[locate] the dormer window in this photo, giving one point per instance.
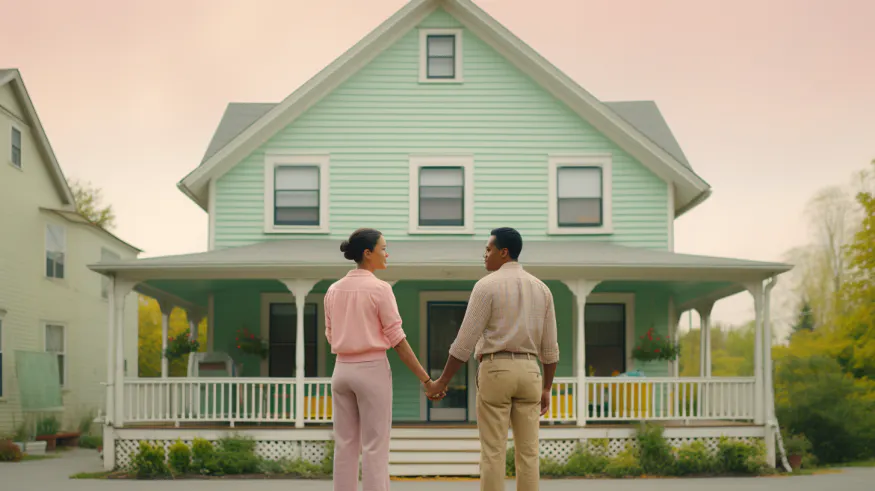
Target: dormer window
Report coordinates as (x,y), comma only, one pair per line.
(440,55)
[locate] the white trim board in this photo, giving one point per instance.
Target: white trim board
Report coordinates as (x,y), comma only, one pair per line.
(264,326)
(690,186)
(444,296)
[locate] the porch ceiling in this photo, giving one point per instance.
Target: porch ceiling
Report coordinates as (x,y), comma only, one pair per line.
(440,260)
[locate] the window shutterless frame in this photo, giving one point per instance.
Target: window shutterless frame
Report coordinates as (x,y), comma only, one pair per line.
(276,192)
(601,198)
(429,56)
(442,223)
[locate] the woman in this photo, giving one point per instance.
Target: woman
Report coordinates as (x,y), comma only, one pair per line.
(361,323)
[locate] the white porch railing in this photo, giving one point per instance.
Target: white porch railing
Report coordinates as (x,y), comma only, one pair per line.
(272,400)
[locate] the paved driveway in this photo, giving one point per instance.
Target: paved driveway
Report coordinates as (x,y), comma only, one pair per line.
(49,474)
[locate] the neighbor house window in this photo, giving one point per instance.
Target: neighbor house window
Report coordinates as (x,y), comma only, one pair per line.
(282,351)
(579,193)
(296,193)
(16,147)
(56,343)
(1,353)
(441,194)
(56,245)
(440,52)
(106,256)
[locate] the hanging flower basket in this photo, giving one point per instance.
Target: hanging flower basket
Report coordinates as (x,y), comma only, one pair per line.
(181,345)
(250,344)
(651,348)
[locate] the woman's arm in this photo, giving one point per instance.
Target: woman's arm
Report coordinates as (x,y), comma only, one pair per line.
(405,352)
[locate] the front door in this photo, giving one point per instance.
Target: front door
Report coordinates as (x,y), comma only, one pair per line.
(444,320)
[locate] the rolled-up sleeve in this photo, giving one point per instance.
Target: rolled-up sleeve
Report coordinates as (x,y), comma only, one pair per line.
(327,303)
(476,319)
(390,318)
(549,352)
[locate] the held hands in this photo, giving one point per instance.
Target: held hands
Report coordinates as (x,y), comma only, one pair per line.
(435,390)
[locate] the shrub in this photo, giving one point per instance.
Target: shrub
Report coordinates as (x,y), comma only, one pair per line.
(48,426)
(9,451)
(303,469)
(90,441)
(625,464)
(180,457)
(149,463)
(695,458)
(655,453)
(551,468)
(236,455)
(328,460)
(510,463)
(583,462)
(203,457)
(738,457)
(835,411)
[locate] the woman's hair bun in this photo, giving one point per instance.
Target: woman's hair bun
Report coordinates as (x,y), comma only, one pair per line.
(344,246)
(360,240)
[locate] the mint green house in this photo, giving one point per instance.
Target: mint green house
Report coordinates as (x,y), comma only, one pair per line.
(437,127)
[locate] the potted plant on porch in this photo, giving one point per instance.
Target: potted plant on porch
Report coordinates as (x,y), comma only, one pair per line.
(181,345)
(652,347)
(797,448)
(250,344)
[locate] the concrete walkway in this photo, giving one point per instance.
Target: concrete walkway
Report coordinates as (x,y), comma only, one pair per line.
(49,474)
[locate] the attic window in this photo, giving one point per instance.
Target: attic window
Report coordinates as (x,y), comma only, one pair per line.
(16,147)
(440,55)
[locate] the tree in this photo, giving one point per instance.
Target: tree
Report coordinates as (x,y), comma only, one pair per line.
(149,343)
(88,204)
(805,319)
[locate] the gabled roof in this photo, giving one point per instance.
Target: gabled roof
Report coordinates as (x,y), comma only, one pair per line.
(12,77)
(75,217)
(690,188)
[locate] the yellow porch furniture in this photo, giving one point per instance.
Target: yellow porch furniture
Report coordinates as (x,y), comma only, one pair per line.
(313,407)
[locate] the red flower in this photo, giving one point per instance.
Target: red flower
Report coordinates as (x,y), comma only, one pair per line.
(650,334)
(656,350)
(236,339)
(238,346)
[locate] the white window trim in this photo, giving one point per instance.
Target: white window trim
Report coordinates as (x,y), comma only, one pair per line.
(466,162)
(271,161)
(604,161)
(21,156)
(627,299)
(321,341)
(444,296)
(46,251)
(423,56)
(63,325)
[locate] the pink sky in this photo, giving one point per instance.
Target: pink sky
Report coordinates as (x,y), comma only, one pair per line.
(771,99)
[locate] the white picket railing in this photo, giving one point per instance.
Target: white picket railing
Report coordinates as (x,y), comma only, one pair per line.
(562,404)
(266,400)
(664,398)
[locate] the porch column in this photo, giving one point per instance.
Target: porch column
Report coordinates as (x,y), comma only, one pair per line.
(166,309)
(194,320)
(769,396)
(756,290)
(705,339)
(119,292)
(110,352)
(674,318)
(581,289)
(299,288)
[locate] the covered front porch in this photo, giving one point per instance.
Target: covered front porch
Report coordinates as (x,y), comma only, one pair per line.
(606,297)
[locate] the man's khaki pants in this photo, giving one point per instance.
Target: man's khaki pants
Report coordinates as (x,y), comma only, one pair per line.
(509,392)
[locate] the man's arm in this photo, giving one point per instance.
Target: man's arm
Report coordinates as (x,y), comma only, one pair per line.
(549,352)
(476,319)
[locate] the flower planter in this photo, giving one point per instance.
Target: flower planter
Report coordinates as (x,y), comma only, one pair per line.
(32,448)
(795,461)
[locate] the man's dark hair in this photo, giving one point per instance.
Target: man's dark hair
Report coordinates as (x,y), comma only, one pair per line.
(508,238)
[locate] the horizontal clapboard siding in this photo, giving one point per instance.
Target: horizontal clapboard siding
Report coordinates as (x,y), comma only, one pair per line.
(381,115)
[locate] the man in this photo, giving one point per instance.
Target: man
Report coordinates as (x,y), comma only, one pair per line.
(511,319)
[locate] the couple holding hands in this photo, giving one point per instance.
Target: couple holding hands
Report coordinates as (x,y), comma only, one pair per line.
(509,325)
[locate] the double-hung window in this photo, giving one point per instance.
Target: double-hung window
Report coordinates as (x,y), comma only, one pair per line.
(15,156)
(580,195)
(56,250)
(296,193)
(441,195)
(440,55)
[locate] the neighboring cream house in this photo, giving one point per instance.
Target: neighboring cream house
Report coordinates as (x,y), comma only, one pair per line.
(49,299)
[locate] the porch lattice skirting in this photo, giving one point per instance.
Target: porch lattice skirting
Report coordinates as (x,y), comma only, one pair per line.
(555,443)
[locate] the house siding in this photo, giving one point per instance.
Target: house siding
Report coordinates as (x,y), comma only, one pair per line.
(30,299)
(239,306)
(382,114)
